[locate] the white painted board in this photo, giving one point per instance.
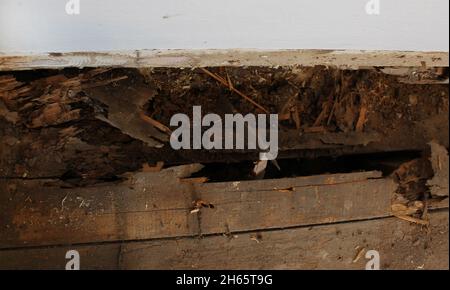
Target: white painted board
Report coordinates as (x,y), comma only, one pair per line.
(104,25)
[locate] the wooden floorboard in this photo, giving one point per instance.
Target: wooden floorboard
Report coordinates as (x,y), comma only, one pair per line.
(159,205)
(401,245)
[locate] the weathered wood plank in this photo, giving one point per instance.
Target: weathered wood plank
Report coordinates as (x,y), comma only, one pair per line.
(401,246)
(158,205)
(198,58)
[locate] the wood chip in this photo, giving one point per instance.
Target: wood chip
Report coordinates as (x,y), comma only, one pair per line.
(324,113)
(404,210)
(155,123)
(259,168)
(296,117)
(362,119)
(284,117)
(413,220)
(194,180)
(359,254)
(230,86)
(199,204)
(285,190)
(257,238)
(103,83)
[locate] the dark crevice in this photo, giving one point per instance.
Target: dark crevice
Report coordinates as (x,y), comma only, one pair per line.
(294,167)
(387,163)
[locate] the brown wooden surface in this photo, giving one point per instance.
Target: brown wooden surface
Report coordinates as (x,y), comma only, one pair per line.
(150,220)
(401,245)
(158,205)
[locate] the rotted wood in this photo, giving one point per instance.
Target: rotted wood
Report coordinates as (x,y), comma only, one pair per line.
(98,124)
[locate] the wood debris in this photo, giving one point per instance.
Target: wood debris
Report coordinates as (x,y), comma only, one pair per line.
(101,123)
(285,190)
(259,168)
(413,220)
(194,180)
(407,210)
(155,123)
(361,119)
(319,129)
(359,254)
(230,86)
(257,238)
(199,204)
(412,178)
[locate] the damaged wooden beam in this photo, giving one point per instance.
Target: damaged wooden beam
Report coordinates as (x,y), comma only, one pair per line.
(97,124)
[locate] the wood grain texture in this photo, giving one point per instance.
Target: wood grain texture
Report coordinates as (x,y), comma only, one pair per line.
(401,246)
(158,205)
(231,57)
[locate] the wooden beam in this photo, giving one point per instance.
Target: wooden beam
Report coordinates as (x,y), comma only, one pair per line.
(345,59)
(401,245)
(159,205)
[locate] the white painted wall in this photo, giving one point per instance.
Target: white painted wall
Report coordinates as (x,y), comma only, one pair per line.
(44,26)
